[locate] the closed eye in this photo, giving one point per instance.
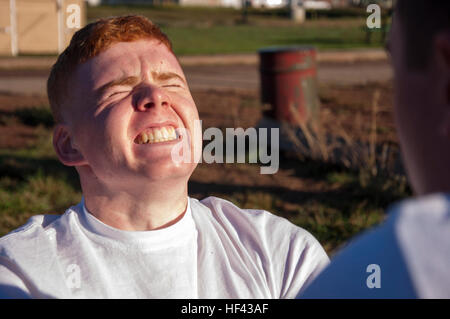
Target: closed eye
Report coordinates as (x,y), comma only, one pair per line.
(113,95)
(120,92)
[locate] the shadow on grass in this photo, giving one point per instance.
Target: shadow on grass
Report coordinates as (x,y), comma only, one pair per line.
(21,167)
(374,191)
(344,200)
(31,116)
(35,116)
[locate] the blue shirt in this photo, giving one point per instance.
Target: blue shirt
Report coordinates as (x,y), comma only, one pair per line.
(408,256)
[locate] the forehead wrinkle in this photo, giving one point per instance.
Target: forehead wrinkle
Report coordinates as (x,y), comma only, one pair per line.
(109,66)
(159,71)
(147,69)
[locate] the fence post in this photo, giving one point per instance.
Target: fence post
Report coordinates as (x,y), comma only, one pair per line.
(61,28)
(13,28)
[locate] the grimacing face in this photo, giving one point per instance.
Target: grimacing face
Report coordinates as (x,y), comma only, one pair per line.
(129,89)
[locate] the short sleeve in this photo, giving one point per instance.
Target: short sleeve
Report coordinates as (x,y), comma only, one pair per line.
(305,259)
(11,285)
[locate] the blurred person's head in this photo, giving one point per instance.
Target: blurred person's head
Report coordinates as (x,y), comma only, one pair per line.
(420,51)
(118,94)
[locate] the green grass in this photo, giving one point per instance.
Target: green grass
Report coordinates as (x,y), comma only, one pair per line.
(37,194)
(333,227)
(35,116)
(246,38)
(33,181)
(168,14)
(195,31)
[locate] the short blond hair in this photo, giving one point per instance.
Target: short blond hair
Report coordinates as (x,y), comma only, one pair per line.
(89,42)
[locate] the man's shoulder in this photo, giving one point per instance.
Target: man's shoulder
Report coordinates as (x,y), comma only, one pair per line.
(413,239)
(34,224)
(249,221)
(423,231)
(355,268)
(288,255)
(222,209)
(430,209)
(36,231)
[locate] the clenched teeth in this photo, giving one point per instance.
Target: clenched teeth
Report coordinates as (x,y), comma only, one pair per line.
(157,135)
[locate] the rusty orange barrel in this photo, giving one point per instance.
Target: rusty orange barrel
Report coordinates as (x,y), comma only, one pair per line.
(289,83)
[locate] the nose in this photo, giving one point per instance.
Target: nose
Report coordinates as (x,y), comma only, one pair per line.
(150,97)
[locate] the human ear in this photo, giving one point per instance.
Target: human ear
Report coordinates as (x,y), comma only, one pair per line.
(68,153)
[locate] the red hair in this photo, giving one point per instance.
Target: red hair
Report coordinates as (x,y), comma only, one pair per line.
(89,42)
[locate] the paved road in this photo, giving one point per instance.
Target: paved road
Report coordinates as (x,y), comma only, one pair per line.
(247,76)
(235,76)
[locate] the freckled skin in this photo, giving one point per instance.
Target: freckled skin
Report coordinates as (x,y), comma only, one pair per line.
(108,133)
(126,184)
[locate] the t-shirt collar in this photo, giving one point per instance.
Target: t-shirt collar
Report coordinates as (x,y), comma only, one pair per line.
(177,230)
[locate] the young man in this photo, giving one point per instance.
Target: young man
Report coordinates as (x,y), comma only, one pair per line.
(409,255)
(121,103)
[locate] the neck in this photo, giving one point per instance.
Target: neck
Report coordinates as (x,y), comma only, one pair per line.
(155,206)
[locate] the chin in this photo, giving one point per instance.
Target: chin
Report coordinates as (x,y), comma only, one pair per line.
(160,172)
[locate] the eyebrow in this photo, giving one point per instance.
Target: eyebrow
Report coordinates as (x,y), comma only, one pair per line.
(167,76)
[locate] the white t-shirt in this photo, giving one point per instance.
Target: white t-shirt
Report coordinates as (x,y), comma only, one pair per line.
(409,254)
(216,250)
